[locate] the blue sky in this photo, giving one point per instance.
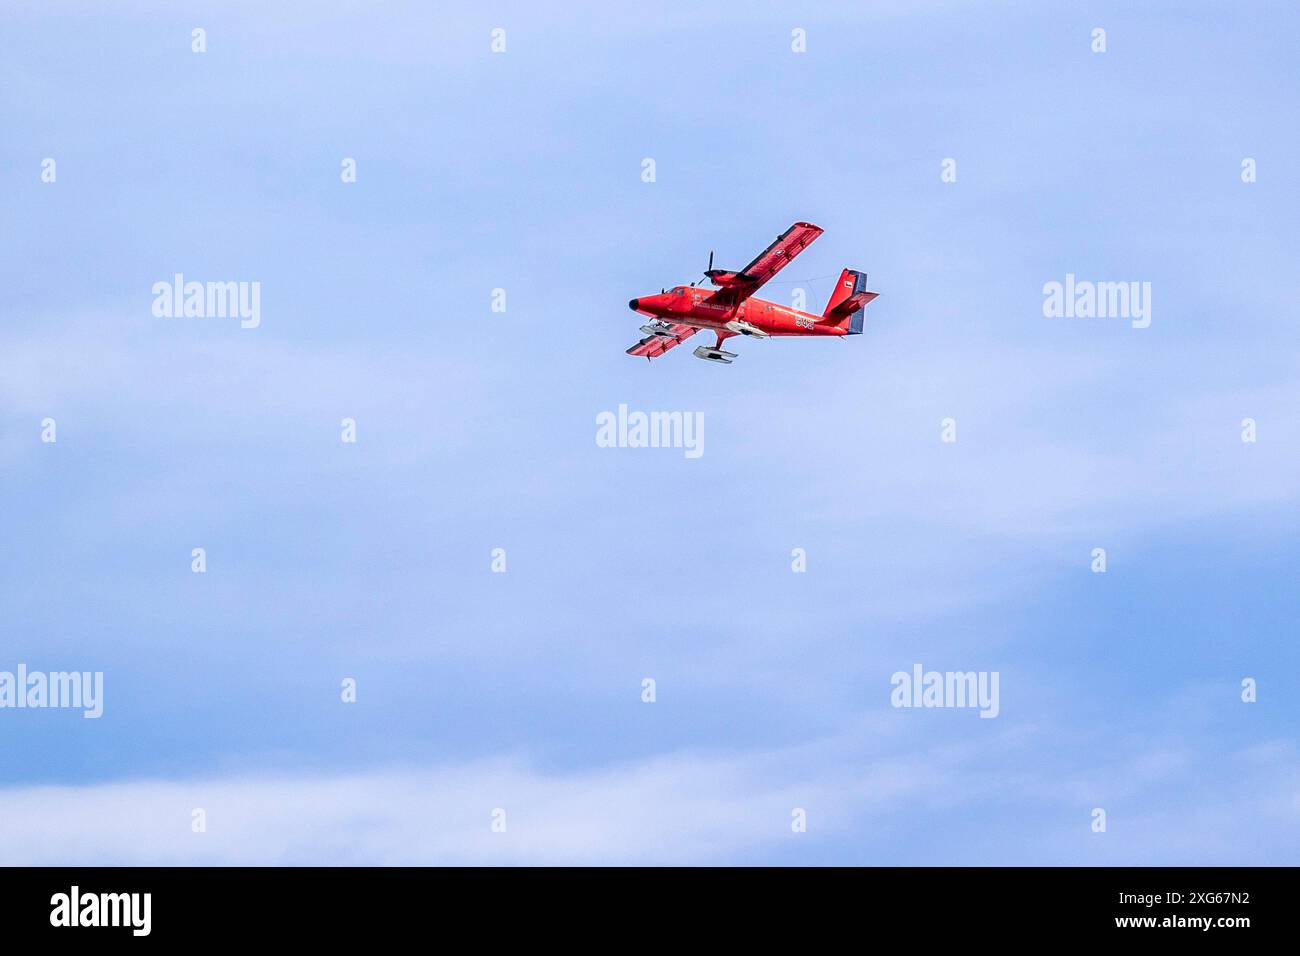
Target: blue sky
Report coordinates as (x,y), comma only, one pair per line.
(476,430)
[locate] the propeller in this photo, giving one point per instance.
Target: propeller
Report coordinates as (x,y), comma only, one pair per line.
(710,268)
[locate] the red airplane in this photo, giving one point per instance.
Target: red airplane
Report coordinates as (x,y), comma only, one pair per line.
(731,309)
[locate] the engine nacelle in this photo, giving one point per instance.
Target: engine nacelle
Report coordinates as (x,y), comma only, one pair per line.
(725,278)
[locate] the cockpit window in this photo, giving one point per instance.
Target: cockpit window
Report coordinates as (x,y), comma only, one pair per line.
(679,290)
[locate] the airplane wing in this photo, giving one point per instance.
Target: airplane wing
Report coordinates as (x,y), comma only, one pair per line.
(652,346)
(738,286)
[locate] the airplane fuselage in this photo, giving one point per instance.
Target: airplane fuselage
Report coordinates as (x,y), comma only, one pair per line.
(688,305)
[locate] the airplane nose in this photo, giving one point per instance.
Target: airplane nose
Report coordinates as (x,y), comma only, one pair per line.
(633,304)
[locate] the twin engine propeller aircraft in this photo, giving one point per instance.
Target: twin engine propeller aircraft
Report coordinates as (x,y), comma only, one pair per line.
(731,309)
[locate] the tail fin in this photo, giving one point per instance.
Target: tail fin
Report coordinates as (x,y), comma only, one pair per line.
(847,307)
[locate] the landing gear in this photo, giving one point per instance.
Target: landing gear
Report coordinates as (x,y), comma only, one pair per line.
(714,355)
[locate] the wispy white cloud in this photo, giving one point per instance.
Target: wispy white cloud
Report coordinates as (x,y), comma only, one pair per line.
(874,784)
(688,809)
